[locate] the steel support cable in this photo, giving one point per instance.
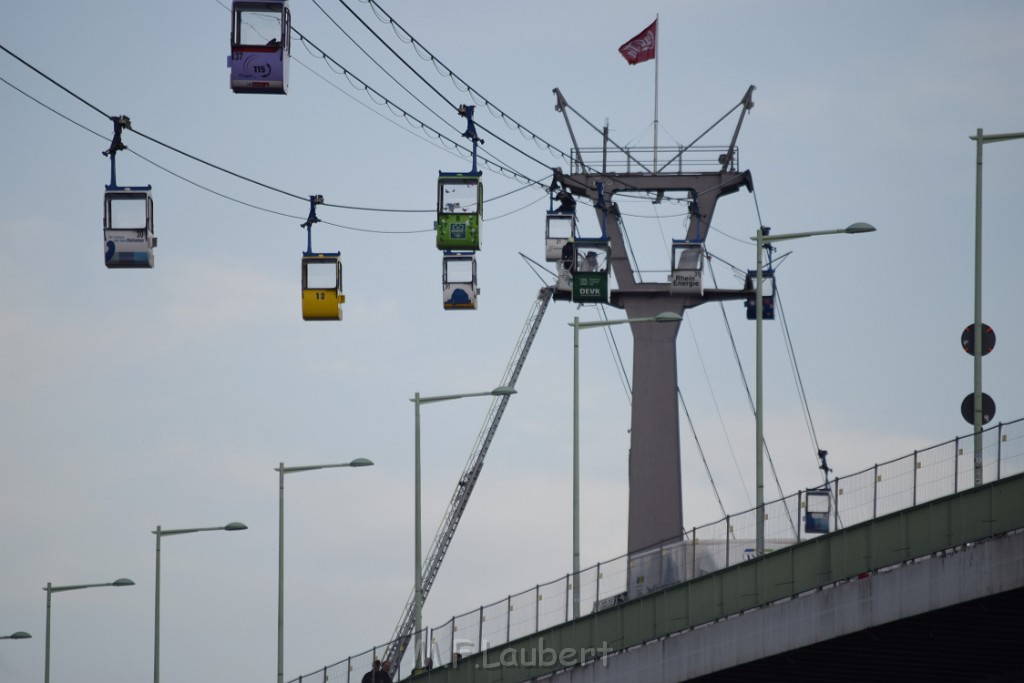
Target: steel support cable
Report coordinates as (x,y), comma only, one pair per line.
(199,185)
(419,76)
(392,106)
(620,367)
(803,400)
(210,164)
(686,410)
(771,462)
(714,400)
(624,378)
(805,405)
(743,376)
(625,237)
(54,111)
(700,449)
(459,82)
(381,67)
(77,97)
(409,66)
(469,89)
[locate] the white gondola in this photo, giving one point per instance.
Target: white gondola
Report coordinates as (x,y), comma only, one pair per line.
(128,227)
(558,231)
(458,281)
(687,275)
(260,46)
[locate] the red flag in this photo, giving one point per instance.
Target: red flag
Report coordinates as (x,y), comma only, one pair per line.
(640,48)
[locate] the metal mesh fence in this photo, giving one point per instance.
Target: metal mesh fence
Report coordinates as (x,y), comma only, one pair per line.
(885,488)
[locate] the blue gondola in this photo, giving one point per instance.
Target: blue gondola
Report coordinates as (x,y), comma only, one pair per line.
(818,510)
(128,233)
(767,294)
(260,46)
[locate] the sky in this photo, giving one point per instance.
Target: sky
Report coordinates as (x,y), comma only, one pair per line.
(141,398)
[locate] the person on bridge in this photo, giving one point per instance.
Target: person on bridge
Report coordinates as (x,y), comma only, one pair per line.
(378,674)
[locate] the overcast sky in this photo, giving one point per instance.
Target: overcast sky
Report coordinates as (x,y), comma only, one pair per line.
(132,399)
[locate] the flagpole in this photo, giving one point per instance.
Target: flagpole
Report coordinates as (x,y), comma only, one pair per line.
(657,31)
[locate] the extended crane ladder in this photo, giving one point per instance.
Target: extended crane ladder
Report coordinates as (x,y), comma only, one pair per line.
(464,487)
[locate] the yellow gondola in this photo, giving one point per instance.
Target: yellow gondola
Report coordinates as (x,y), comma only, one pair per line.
(322,296)
(321,286)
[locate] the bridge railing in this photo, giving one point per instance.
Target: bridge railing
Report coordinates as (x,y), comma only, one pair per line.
(913,479)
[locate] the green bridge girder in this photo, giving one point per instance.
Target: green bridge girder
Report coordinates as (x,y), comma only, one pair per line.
(962,518)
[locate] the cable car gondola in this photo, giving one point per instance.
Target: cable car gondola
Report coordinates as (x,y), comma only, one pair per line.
(128,239)
(818,510)
(322,295)
(590,270)
(459,210)
(767,294)
(559,229)
(128,227)
(260,46)
(687,268)
(458,281)
(321,286)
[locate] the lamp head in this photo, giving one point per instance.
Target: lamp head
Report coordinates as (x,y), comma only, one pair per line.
(503,391)
(360,462)
(859,227)
(123,582)
(235,526)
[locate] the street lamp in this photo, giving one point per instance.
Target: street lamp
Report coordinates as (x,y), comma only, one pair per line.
(282,470)
(50,590)
(17,635)
(418,587)
(233,526)
(762,238)
(665,317)
(979,421)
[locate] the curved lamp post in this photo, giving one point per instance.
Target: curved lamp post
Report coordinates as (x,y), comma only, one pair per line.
(665,317)
(979,420)
(17,635)
(233,526)
(418,586)
(282,470)
(50,590)
(762,238)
